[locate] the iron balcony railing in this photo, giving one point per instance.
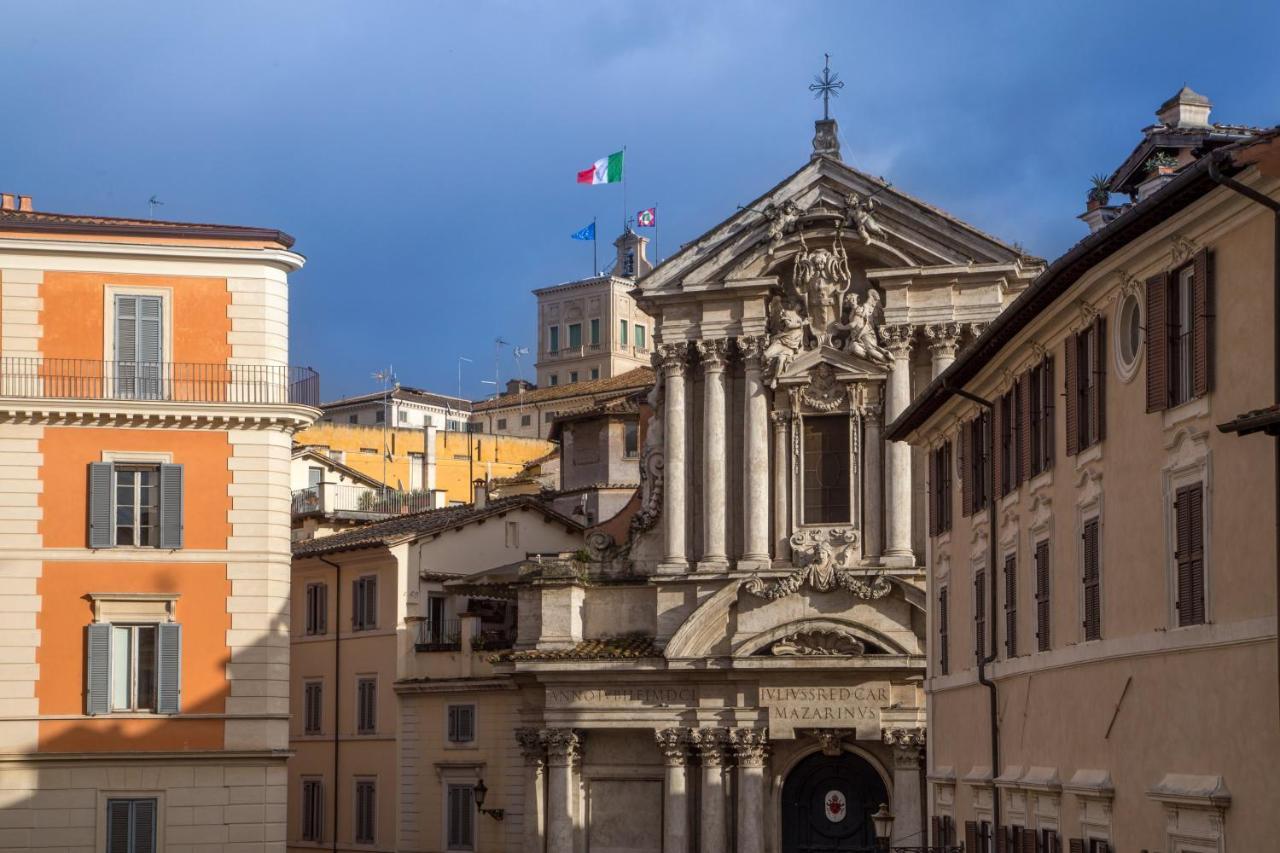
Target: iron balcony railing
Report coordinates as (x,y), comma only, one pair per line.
(357,501)
(161,381)
(445,635)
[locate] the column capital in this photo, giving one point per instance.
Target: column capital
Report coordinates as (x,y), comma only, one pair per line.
(907,743)
(564,746)
(712,353)
(898,338)
(750,746)
(943,338)
(711,744)
(532,745)
(673,357)
(830,740)
(751,347)
(674,746)
(780,420)
(976,329)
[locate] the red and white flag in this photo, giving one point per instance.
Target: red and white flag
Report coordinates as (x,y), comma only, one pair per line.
(647,218)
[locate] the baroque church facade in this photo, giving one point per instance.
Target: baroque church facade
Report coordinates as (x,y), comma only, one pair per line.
(744,652)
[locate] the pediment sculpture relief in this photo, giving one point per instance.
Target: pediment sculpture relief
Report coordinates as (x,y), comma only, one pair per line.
(818,642)
(824,393)
(824,557)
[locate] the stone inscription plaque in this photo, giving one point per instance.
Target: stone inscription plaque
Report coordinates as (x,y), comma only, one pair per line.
(854,707)
(642,696)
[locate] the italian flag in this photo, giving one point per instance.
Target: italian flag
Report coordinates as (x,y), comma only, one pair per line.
(606,171)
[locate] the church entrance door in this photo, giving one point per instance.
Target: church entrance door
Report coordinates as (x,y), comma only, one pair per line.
(827,803)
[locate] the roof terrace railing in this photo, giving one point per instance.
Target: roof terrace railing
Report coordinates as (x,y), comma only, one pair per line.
(170,382)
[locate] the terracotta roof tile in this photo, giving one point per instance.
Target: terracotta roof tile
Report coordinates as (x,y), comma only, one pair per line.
(611,648)
(641,377)
(39,220)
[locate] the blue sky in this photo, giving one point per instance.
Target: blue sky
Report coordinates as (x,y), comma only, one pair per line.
(424,153)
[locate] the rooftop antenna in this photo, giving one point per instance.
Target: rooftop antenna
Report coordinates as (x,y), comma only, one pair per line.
(498,344)
(461,359)
(387,378)
(516,353)
(151,206)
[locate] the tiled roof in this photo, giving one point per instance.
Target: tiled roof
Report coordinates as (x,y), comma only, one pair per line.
(404,392)
(612,648)
(406,527)
(39,220)
(641,377)
(1259,420)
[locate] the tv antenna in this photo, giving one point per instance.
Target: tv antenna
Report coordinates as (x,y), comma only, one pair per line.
(151,206)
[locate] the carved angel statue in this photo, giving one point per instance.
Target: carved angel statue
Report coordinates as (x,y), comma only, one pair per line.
(782,218)
(862,218)
(862,328)
(786,328)
(822,277)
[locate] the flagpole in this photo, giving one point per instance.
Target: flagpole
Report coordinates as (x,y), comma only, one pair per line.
(595,264)
(624,189)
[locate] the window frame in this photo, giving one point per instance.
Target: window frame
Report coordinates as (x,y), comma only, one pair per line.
(941,486)
(311,810)
(502,423)
(593,331)
(453,723)
(359,815)
(526,420)
(622,333)
(132,799)
(134,703)
(360,603)
(553,338)
(944,629)
(980,596)
(135,468)
(1010,568)
(1179,336)
(1086,634)
(316,602)
(1184,492)
(366,711)
(1044,594)
(979,469)
(1041,417)
(465,791)
(824,427)
(312,725)
(570,335)
(638,335)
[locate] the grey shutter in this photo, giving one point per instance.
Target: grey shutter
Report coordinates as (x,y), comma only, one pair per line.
(371,602)
(118,814)
(171,521)
(453,724)
(469,723)
(168,668)
(101,514)
(126,346)
(144,826)
(149,355)
(98,668)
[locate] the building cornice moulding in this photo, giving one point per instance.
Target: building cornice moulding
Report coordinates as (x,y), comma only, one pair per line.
(279,258)
(126,413)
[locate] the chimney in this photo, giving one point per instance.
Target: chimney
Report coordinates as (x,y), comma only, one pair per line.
(481,499)
(24,203)
(516,386)
(8,201)
(1185,109)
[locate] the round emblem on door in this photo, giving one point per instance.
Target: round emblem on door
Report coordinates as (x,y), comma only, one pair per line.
(834,806)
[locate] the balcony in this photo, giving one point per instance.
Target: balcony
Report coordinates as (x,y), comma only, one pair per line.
(445,635)
(360,503)
(162,382)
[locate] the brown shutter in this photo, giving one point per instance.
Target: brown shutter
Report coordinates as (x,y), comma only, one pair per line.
(936,822)
(1050,411)
(1029,841)
(944,622)
(1157,340)
(1024,424)
(966,475)
(1098,411)
(1011,606)
(971,837)
(1069,349)
(1092,586)
(934,482)
(1002,841)
(996,489)
(1049,841)
(1189,511)
(1042,596)
(1202,324)
(1076,845)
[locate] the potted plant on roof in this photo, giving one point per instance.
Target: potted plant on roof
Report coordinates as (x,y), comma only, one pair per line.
(1161,163)
(1099,193)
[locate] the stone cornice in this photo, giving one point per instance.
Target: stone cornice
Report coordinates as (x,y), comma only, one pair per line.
(154,414)
(280,258)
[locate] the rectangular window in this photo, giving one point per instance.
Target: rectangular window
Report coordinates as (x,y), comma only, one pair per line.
(353,419)
(1041,417)
(554,380)
(640,332)
(312,697)
(1010,440)
(1179,323)
(366,705)
(402,416)
(315,475)
(595,373)
(317,608)
(1086,386)
(312,810)
(1092,579)
(339,456)
(460,821)
(631,439)
(980,613)
(133,667)
(462,723)
(979,479)
(595,331)
(380,416)
(513,534)
(525,420)
(622,333)
(1011,606)
(940,486)
(1043,643)
(944,623)
(553,339)
(138,357)
(131,826)
(573,376)
(502,423)
(1180,308)
(364,603)
(549,417)
(826,469)
(575,335)
(1188,510)
(366,810)
(137,504)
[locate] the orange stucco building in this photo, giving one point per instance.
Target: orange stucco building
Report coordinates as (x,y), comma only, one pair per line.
(146,415)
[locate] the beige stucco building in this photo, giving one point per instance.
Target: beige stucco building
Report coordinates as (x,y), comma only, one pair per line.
(1113,573)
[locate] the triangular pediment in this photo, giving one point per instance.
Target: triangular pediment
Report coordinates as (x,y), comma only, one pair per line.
(847,366)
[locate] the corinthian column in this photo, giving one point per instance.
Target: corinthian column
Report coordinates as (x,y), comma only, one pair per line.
(943,339)
(535,754)
(711,744)
(750,746)
(714,555)
(897,527)
(908,799)
(673,478)
(781,486)
(755,458)
(563,746)
(873,481)
(674,744)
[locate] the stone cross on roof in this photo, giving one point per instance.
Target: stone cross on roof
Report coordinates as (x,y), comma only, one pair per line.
(826,85)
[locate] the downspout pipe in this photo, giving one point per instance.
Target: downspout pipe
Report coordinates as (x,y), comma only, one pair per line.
(993,623)
(1271,204)
(337,675)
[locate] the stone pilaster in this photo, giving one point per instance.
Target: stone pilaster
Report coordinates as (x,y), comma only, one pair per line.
(674,745)
(534,751)
(755,457)
(751,748)
(944,339)
(781,486)
(673,360)
(908,796)
(711,746)
(563,751)
(897,527)
(714,510)
(873,482)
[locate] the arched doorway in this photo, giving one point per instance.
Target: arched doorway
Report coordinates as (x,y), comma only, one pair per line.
(827,803)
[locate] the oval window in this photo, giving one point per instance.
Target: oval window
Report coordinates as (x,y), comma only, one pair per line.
(1128,336)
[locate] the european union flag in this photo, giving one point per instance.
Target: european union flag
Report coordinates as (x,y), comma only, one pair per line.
(588,233)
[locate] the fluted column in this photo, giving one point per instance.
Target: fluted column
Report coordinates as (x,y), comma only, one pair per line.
(750,747)
(711,745)
(673,358)
(714,554)
(873,481)
(563,747)
(755,457)
(535,760)
(943,340)
(674,744)
(781,486)
(897,454)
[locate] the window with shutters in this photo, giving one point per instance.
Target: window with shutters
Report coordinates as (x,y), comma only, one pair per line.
(502,423)
(312,810)
(366,705)
(133,668)
(1011,606)
(461,724)
(135,505)
(622,333)
(640,336)
(1040,417)
(1091,577)
(131,825)
(1179,325)
(139,335)
(317,608)
(1188,511)
(460,827)
(1087,387)
(977,475)
(1010,440)
(940,497)
(312,706)
(366,811)
(980,614)
(1179,314)
(1043,637)
(575,335)
(364,603)
(944,627)
(595,332)
(525,420)
(553,339)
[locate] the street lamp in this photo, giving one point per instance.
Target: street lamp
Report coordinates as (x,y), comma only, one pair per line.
(883,820)
(480,791)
